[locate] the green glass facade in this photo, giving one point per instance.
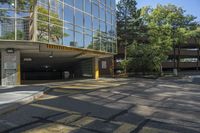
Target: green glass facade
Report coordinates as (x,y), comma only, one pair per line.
(88,24)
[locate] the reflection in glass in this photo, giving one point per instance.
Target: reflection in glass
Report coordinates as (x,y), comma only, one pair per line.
(68,14)
(43,31)
(7,13)
(97,40)
(95,24)
(79,18)
(88,6)
(108,17)
(79,39)
(24,5)
(22,29)
(7,28)
(23,14)
(69,38)
(102,14)
(7,4)
(88,22)
(79,4)
(95,10)
(77,23)
(70,2)
(102,26)
(88,42)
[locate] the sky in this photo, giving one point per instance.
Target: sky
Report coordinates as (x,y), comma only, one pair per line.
(191,6)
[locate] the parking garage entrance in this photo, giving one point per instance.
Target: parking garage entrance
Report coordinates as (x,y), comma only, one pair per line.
(47,62)
(55,66)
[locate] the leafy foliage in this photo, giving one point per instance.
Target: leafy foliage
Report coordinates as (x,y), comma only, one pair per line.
(11,35)
(152,33)
(53,31)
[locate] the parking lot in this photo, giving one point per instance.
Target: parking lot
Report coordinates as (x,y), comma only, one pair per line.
(134,105)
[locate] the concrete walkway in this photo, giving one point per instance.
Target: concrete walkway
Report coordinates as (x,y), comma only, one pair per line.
(13,97)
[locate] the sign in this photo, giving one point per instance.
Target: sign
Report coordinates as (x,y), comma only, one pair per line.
(104,64)
(10,65)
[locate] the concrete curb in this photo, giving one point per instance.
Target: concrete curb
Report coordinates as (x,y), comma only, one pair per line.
(21,102)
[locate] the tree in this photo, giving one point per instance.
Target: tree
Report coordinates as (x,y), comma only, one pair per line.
(126,11)
(166,26)
(130,26)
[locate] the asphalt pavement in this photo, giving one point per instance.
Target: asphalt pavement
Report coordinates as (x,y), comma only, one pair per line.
(135,105)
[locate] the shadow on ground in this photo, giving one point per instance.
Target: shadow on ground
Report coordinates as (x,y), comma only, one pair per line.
(140,106)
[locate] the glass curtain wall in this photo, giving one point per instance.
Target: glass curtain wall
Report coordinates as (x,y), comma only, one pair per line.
(78,23)
(15,19)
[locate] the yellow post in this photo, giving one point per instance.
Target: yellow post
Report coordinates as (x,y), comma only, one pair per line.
(96,68)
(18,74)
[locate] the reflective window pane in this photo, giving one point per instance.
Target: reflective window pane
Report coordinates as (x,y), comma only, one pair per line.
(79,18)
(95,10)
(43,32)
(88,6)
(88,22)
(55,34)
(22,29)
(24,5)
(70,2)
(102,26)
(108,17)
(68,38)
(102,13)
(7,4)
(97,40)
(95,24)
(68,14)
(79,4)
(108,3)
(7,13)
(7,28)
(88,42)
(79,40)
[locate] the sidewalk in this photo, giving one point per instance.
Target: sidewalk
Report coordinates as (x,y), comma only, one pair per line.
(13,97)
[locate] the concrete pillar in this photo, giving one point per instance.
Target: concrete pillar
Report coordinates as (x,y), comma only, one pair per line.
(10,67)
(96,68)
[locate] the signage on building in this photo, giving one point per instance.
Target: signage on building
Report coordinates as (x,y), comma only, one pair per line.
(104,64)
(10,65)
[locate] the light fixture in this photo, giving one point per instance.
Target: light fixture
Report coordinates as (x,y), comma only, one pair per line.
(10,50)
(27,59)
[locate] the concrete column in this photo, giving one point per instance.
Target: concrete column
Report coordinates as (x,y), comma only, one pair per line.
(96,68)
(10,67)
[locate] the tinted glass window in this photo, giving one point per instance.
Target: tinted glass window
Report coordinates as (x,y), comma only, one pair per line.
(88,22)
(79,39)
(70,2)
(79,4)
(95,10)
(88,6)
(79,18)
(68,14)
(68,38)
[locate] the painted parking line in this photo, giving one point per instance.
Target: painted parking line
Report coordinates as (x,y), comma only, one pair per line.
(125,128)
(53,108)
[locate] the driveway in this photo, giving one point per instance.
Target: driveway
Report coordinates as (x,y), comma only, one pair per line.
(137,106)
